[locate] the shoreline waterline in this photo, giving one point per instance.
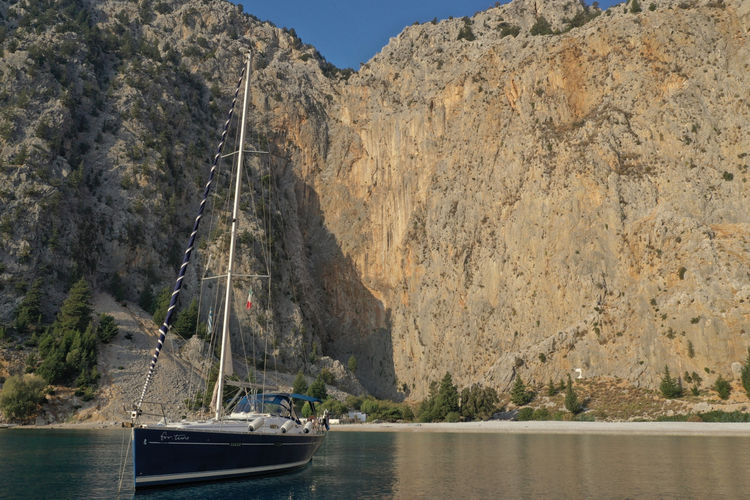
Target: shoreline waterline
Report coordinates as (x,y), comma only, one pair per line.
(494,427)
(560,427)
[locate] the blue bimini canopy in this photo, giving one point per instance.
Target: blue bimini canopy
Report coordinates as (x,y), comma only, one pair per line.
(306,398)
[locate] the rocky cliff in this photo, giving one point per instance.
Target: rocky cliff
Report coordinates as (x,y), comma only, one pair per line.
(488,196)
(536,204)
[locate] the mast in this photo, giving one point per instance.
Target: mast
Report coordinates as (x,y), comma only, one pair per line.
(235,212)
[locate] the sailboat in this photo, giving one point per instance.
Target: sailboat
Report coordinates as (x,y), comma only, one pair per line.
(260,432)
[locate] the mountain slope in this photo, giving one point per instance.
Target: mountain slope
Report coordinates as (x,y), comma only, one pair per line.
(476,199)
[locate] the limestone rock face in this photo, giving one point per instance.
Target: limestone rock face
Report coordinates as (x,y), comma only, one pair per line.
(536,204)
(475,199)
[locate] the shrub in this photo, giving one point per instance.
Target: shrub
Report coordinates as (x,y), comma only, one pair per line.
(452,417)
(334,407)
(670,388)
(352,364)
(353,402)
(541,27)
(525,413)
(507,29)
(635,7)
(327,376)
(519,395)
(722,387)
(691,350)
(21,395)
(465,33)
(551,388)
(727,176)
(541,414)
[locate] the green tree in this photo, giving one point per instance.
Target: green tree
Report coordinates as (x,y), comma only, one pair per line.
(551,388)
(300,384)
(722,387)
(670,387)
(161,304)
(187,321)
(571,399)
(306,410)
(29,313)
(519,395)
(478,402)
(442,400)
(318,389)
(21,395)
(635,6)
(146,300)
(107,329)
(745,374)
(447,395)
(75,313)
(352,364)
(68,347)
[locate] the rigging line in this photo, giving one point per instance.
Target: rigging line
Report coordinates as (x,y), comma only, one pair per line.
(269,320)
(124,460)
(186,259)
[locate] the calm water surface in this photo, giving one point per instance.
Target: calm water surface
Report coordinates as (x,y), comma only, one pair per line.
(85,464)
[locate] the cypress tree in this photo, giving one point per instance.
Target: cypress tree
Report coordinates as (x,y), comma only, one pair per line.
(746,374)
(447,396)
(571,399)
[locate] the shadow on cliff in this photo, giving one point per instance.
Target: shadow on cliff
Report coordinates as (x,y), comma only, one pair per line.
(349,320)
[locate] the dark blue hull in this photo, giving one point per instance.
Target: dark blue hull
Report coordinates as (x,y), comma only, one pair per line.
(171,456)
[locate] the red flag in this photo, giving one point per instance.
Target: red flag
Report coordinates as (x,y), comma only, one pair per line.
(249,300)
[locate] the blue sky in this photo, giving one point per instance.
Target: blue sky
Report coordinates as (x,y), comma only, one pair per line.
(348,32)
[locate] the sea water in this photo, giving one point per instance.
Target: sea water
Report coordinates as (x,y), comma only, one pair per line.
(86,464)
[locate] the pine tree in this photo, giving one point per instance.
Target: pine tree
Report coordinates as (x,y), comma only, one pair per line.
(161,306)
(447,396)
(300,384)
(571,399)
(29,313)
(75,313)
(746,374)
(670,388)
(318,389)
(187,321)
(519,395)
